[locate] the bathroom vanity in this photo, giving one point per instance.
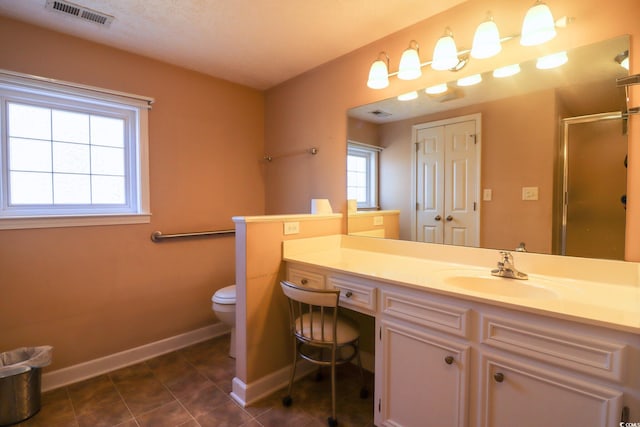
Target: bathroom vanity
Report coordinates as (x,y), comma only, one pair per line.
(457,346)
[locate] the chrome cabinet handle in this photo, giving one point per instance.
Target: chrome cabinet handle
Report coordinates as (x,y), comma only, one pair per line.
(348,294)
(438,218)
(304,281)
(498,376)
(449,218)
(448,360)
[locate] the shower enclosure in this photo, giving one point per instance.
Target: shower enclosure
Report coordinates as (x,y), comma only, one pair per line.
(594,180)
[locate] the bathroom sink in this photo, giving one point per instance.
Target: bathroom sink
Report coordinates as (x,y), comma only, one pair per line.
(484,282)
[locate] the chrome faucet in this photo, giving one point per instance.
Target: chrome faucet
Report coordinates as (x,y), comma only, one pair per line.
(506,268)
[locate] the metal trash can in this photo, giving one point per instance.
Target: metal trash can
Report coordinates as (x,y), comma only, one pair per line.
(19,394)
(20,382)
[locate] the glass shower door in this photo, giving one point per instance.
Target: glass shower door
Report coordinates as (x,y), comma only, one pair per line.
(595,182)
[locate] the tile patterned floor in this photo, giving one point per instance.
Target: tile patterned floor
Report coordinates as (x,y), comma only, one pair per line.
(190,388)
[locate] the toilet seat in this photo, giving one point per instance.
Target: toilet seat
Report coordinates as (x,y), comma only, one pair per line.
(226,295)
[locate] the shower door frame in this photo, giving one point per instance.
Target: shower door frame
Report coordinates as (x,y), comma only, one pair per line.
(566,123)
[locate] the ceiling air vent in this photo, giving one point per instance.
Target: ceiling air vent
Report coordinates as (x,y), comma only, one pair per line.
(380,113)
(80,12)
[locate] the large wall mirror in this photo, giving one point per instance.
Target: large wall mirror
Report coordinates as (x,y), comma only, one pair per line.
(548,173)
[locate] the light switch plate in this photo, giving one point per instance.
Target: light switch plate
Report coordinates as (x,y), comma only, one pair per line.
(487,194)
(291,228)
(529,193)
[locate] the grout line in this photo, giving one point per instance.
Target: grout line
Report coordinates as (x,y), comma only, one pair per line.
(133,417)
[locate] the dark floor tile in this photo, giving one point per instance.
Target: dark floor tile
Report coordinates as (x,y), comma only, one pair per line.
(56,411)
(190,388)
(169,415)
(97,403)
(140,389)
(206,401)
(226,415)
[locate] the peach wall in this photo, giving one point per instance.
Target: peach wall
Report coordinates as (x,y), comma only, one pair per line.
(361,131)
(94,291)
(264,343)
(311,109)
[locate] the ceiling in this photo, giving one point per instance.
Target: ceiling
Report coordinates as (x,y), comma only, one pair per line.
(257,43)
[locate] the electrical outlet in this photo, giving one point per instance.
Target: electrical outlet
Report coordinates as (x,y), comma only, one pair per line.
(378,220)
(529,193)
(291,228)
(487,194)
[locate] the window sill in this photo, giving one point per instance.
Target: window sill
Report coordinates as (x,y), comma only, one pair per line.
(11,223)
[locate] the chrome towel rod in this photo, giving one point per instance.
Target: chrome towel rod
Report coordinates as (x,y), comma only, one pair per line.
(157,236)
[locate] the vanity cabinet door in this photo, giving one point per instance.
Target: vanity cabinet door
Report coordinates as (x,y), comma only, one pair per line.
(423,378)
(521,395)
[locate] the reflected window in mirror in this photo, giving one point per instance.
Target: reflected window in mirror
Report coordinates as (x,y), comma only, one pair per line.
(362,174)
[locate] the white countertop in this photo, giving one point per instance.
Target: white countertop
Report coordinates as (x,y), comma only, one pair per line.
(613,303)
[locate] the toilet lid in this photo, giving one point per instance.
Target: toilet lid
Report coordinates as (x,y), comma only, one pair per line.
(226,295)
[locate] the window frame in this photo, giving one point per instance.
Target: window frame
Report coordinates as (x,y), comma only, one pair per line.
(371,154)
(54,94)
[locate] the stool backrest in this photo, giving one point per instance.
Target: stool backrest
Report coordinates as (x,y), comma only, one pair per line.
(312,312)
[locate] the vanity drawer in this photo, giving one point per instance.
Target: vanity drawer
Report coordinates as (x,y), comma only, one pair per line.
(425,311)
(353,295)
(553,345)
(305,278)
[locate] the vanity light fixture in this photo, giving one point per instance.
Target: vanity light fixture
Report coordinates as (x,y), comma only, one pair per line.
(471,80)
(408,96)
(507,71)
(437,89)
(445,54)
(410,67)
(552,61)
(538,25)
(379,72)
(486,40)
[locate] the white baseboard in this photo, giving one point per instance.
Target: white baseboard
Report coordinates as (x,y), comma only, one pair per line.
(246,394)
(92,368)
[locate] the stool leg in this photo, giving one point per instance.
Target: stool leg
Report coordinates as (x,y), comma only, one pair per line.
(333,422)
(286,401)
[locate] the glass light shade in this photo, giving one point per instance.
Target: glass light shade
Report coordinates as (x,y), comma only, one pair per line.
(437,89)
(408,96)
(551,61)
(486,41)
(378,75)
(445,54)
(508,71)
(471,80)
(538,25)
(409,68)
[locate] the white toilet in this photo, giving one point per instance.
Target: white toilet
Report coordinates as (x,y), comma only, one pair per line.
(224,305)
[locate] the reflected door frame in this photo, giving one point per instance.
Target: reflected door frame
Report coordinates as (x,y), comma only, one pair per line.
(474,193)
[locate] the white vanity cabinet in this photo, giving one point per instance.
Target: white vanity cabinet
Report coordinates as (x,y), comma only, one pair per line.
(550,372)
(422,361)
(515,394)
(441,360)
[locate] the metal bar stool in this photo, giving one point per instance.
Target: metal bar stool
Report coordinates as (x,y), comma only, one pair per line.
(321,335)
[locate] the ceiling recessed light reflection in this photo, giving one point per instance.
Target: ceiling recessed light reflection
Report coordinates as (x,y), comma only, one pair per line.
(508,71)
(552,61)
(470,80)
(437,89)
(408,96)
